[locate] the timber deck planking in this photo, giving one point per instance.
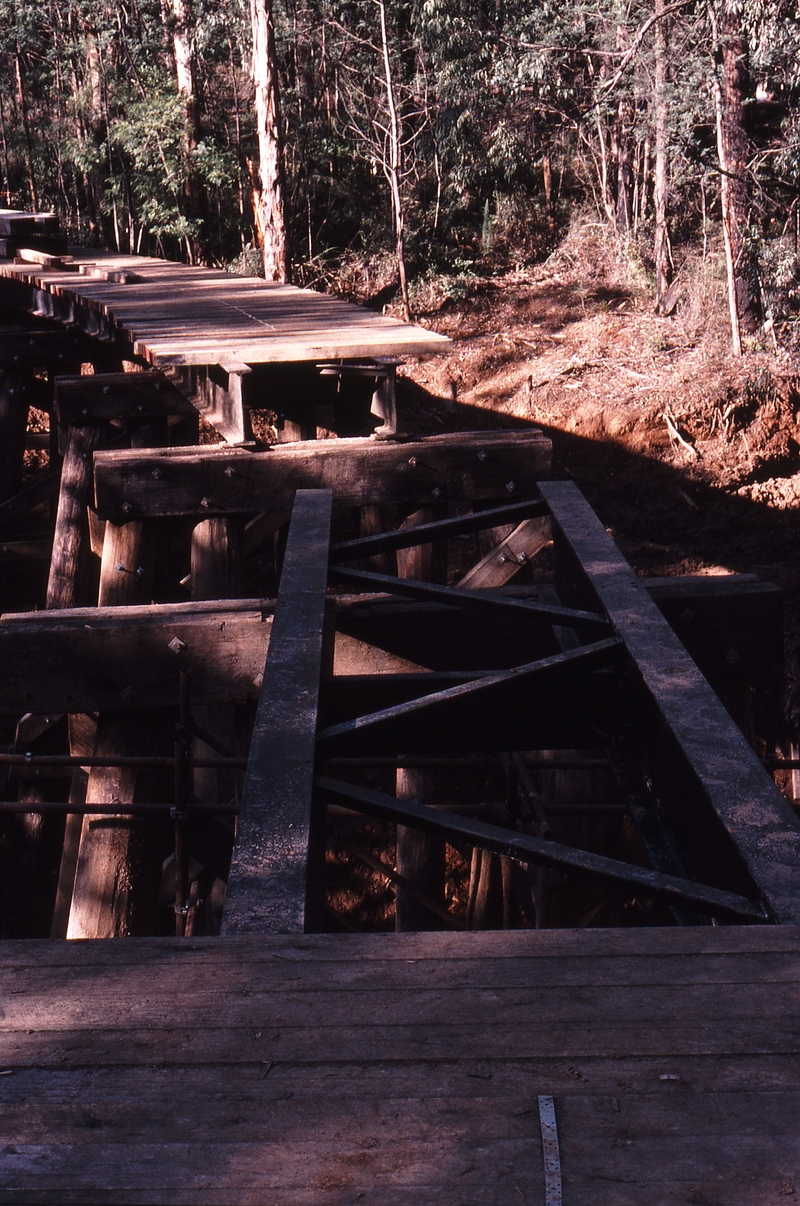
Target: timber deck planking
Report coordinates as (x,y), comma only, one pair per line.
(402,1069)
(171,314)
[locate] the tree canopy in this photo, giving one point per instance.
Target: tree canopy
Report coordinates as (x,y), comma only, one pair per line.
(450,130)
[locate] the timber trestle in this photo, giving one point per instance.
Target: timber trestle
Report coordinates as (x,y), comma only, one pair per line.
(273,671)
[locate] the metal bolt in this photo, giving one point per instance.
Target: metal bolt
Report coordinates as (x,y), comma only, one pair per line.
(511,487)
(127,507)
(412,460)
(205,502)
(139,571)
(85,410)
(120,568)
(502,558)
(521,558)
(482,456)
(156,474)
(106,389)
(176,645)
(230,471)
(436,492)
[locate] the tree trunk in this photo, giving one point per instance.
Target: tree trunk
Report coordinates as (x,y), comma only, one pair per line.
(394,165)
(23,109)
(661,253)
(270,219)
(193,190)
(733,149)
(622,143)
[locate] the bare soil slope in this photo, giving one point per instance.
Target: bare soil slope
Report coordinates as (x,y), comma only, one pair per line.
(690,456)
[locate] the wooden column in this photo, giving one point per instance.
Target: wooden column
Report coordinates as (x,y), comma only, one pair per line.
(115,861)
(14,390)
(116,876)
(420,856)
(71,538)
(274,884)
(216,574)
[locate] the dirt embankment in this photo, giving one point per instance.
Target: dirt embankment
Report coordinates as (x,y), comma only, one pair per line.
(690,456)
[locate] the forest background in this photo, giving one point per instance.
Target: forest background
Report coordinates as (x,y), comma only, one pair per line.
(425,138)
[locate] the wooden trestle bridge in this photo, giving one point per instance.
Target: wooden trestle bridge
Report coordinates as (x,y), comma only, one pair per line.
(441,639)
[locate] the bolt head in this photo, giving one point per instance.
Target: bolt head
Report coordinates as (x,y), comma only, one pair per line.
(229,471)
(482,456)
(412,460)
(205,502)
(511,487)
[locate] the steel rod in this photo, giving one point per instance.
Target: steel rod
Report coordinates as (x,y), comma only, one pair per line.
(182,797)
(138,761)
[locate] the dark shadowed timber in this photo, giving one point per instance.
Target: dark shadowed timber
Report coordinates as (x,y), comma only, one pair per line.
(118,396)
(359,472)
(121,657)
(527,848)
(718,760)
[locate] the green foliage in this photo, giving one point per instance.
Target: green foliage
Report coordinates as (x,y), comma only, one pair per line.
(512,114)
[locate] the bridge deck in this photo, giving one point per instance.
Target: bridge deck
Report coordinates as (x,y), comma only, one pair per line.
(402,1069)
(171,314)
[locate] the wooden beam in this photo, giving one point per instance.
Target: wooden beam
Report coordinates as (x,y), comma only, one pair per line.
(440,529)
(508,557)
(747,804)
(527,848)
(217,393)
(121,657)
(359,472)
(404,723)
(57,348)
(550,613)
(117,396)
(270,889)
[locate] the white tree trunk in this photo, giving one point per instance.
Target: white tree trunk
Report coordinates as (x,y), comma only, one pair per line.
(270,219)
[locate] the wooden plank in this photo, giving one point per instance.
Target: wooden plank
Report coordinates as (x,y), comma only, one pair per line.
(496,693)
(115,658)
(290,1081)
(358,471)
(171,314)
(269,888)
(748,804)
